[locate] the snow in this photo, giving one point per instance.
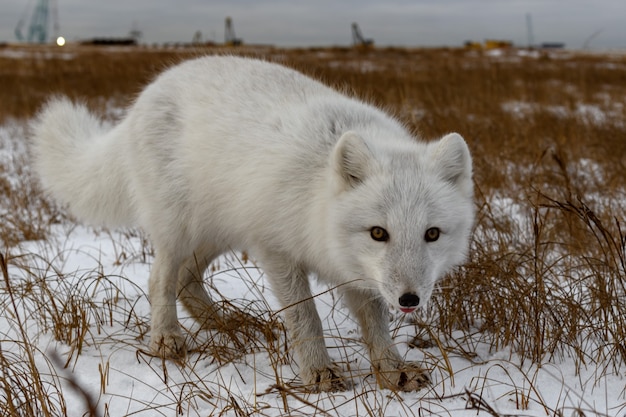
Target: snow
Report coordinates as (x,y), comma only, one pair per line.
(105,274)
(593,114)
(26,52)
(136,383)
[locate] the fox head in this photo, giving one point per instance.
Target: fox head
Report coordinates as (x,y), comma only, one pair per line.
(401,214)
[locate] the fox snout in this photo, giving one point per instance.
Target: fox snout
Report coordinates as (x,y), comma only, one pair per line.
(406,294)
(408,302)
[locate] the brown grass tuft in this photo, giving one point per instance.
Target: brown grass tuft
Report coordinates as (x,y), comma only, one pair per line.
(546,276)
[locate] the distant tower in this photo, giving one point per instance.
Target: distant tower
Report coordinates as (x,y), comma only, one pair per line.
(229,34)
(197,38)
(529,30)
(135,33)
(39,23)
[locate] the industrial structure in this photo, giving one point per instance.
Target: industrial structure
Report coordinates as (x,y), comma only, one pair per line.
(229,34)
(357,38)
(529,30)
(531,37)
(38,28)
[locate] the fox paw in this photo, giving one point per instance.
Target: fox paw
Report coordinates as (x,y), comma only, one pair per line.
(168,346)
(325,380)
(401,376)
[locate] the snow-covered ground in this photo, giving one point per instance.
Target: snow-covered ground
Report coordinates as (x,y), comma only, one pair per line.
(77,302)
(110,269)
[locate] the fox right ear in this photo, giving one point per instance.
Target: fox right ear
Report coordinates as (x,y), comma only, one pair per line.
(451,157)
(352,159)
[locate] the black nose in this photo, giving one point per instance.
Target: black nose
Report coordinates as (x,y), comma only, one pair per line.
(409,300)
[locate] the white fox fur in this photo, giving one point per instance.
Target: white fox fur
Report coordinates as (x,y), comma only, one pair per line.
(223,153)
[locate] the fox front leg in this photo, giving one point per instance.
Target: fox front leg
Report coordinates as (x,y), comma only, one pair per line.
(166,338)
(291,286)
(391,371)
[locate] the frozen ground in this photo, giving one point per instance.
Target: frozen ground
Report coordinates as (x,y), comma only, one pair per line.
(115,370)
(77,301)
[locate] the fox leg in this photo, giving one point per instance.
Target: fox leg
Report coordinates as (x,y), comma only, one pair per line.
(166,338)
(290,284)
(191,290)
(391,371)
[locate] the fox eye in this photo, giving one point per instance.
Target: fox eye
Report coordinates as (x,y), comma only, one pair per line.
(432,234)
(379,234)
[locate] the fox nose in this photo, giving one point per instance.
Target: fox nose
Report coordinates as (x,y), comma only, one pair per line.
(409,300)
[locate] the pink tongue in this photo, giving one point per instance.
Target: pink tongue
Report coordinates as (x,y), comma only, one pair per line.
(407,310)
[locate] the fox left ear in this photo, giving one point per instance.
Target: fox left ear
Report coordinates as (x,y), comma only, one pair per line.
(451,157)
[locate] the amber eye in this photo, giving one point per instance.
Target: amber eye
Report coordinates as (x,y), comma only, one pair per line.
(379,234)
(432,234)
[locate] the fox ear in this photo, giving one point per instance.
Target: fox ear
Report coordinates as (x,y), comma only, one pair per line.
(352,159)
(451,157)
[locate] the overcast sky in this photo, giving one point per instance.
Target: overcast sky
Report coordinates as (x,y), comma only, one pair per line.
(600,24)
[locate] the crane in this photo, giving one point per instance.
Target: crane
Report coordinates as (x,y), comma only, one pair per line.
(357,38)
(39,22)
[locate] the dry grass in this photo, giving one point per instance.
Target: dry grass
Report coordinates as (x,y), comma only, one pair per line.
(547,271)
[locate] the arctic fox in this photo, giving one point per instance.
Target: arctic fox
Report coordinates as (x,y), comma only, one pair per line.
(223,153)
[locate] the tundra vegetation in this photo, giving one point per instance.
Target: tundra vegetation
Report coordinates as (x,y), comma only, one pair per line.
(545,282)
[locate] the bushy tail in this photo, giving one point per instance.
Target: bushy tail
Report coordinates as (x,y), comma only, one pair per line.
(82,164)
